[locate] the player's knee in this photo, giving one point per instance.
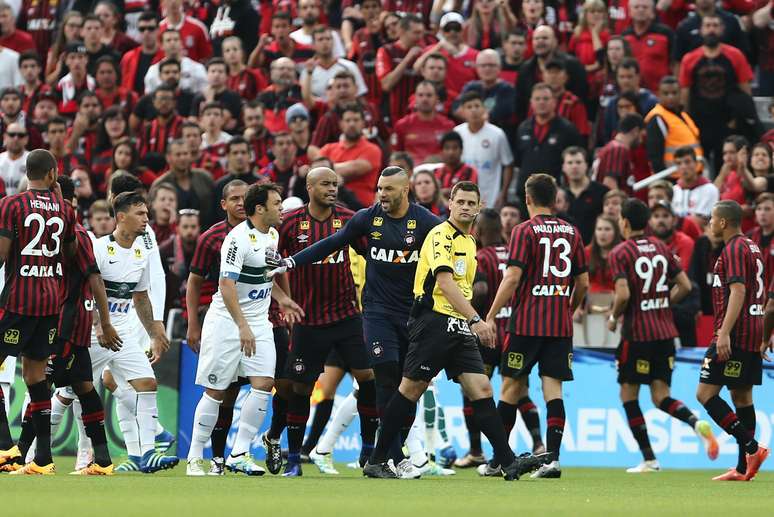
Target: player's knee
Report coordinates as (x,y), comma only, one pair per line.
(363,375)
(82,388)
(387,375)
(741,397)
(302,389)
(511,390)
(412,389)
(109,383)
(144,385)
(284,387)
(262,383)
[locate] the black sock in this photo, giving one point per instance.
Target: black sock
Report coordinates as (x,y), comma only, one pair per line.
(221,429)
(474,432)
(27,433)
(387,379)
(279,416)
(727,419)
(298,414)
(555,427)
(529,414)
(369,417)
(40,414)
(322,414)
(507,414)
(93,414)
(678,410)
(639,428)
(492,426)
(6,442)
(746,415)
(395,415)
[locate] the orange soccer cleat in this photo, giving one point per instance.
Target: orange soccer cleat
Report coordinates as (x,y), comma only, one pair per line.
(730,475)
(33,469)
(92,469)
(12,455)
(754,461)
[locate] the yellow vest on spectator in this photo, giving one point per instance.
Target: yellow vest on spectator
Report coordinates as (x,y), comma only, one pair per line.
(681,131)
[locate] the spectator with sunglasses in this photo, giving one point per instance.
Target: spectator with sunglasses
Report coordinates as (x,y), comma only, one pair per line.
(13,160)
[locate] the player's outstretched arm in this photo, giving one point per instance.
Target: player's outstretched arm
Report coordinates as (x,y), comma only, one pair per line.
(681,289)
(450,290)
(511,281)
(733,309)
(193,290)
(155,329)
(321,249)
(107,337)
(228,292)
(620,301)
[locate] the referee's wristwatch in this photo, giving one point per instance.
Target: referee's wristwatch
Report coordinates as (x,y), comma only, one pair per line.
(475,319)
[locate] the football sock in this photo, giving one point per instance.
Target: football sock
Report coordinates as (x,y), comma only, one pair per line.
(639,428)
(727,419)
(393,419)
(529,414)
(127,422)
(322,413)
(207,418)
(147,416)
(387,377)
(416,449)
(746,415)
(342,417)
(250,419)
(218,430)
(369,417)
(58,409)
(6,442)
(127,396)
(507,414)
(27,435)
(555,427)
(84,444)
(492,426)
(40,415)
(430,415)
(441,426)
(474,432)
(94,424)
(678,410)
(298,414)
(279,416)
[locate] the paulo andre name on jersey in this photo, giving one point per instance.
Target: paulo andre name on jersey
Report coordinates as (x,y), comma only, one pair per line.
(243,259)
(125,271)
(392,254)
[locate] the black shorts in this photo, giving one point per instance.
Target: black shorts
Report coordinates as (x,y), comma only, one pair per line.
(335,360)
(441,342)
(742,369)
(640,362)
(28,336)
(552,354)
(281,346)
(491,358)
(386,337)
(312,345)
(70,365)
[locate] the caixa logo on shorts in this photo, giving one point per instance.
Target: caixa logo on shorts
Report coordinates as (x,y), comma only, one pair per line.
(457,326)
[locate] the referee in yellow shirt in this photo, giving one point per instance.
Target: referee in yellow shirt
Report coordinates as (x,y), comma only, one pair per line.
(443,329)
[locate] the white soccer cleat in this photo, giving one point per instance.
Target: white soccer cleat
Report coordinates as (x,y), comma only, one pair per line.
(548,471)
(217,467)
(431,468)
(645,466)
(84,459)
(324,462)
(195,468)
(486,470)
(407,470)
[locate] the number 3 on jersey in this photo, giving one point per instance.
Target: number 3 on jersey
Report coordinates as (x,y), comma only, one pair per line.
(32,247)
(564,256)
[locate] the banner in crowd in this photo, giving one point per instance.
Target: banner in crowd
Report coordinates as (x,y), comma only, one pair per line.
(596,433)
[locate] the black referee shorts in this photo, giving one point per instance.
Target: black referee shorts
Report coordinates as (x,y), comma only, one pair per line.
(640,362)
(553,355)
(440,342)
(740,370)
(28,336)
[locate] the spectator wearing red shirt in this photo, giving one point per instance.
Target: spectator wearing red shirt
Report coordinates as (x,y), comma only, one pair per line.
(194,34)
(365,42)
(283,92)
(763,233)
(729,180)
(394,65)
(615,162)
(11,37)
(460,58)
(419,133)
(434,69)
(30,67)
(77,81)
(112,35)
(256,133)
(568,105)
(354,158)
(420,8)
(82,136)
(607,235)
(136,62)
(618,13)
(247,82)
(663,225)
(108,91)
(279,44)
(588,43)
(652,43)
(191,133)
(284,170)
(662,190)
(454,169)
(513,55)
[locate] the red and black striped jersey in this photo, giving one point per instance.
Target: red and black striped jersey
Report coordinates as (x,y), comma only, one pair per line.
(448,177)
(206,259)
(492,261)
(156,135)
(37,222)
(248,83)
(78,307)
(550,253)
(741,262)
(363,52)
(209,162)
(388,58)
(648,266)
(324,289)
(39,18)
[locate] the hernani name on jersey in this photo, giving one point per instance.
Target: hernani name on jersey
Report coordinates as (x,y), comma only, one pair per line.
(42,204)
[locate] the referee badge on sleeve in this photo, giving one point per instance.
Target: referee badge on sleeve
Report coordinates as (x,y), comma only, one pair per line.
(459,266)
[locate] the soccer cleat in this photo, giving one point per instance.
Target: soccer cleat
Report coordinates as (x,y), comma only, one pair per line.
(470,461)
(524,464)
(447,456)
(164,441)
(273,454)
(245,464)
(195,468)
(12,455)
(10,467)
(153,461)
(217,467)
(324,462)
(704,430)
(754,462)
(93,469)
(730,475)
(538,449)
(431,468)
(488,470)
(32,469)
(84,459)
(132,464)
(384,470)
(645,466)
(293,470)
(305,458)
(407,470)
(355,465)
(548,471)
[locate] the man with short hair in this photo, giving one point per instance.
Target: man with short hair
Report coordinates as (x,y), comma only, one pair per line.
(136,62)
(627,78)
(419,133)
(212,120)
(309,12)
(394,65)
(688,33)
(169,72)
(694,195)
(512,53)
(56,136)
(365,43)
(217,91)
(255,132)
(193,75)
(82,136)
(13,160)
(92,32)
(31,67)
(76,81)
(100,222)
(282,93)
(499,96)
(323,67)
(191,132)
(11,112)
(652,43)
(461,59)
(583,194)
(156,134)
(176,255)
(283,169)
(238,167)
(194,34)
(435,69)
(11,37)
(454,169)
(568,105)
(615,169)
(109,91)
(279,44)
(510,217)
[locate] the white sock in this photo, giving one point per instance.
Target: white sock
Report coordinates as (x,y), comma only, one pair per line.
(128,397)
(250,419)
(342,417)
(6,387)
(147,416)
(430,423)
(159,428)
(415,447)
(58,409)
(205,418)
(127,422)
(84,442)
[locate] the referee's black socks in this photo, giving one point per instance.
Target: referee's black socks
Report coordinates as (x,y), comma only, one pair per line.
(491,425)
(727,419)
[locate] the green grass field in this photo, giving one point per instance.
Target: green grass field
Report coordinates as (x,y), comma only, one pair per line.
(579,492)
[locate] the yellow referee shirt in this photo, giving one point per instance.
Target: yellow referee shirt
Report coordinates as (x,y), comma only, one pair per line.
(446,248)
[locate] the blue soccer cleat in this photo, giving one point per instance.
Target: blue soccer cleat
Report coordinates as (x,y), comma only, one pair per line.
(292,470)
(447,456)
(164,441)
(153,461)
(132,464)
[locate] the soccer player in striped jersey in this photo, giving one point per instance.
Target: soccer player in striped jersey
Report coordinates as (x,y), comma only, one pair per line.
(547,271)
(643,267)
(733,359)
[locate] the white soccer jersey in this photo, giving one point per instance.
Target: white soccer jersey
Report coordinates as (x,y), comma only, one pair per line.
(124,271)
(243,259)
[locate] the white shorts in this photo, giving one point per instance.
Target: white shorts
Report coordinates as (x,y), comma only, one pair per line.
(221,360)
(126,365)
(8,370)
